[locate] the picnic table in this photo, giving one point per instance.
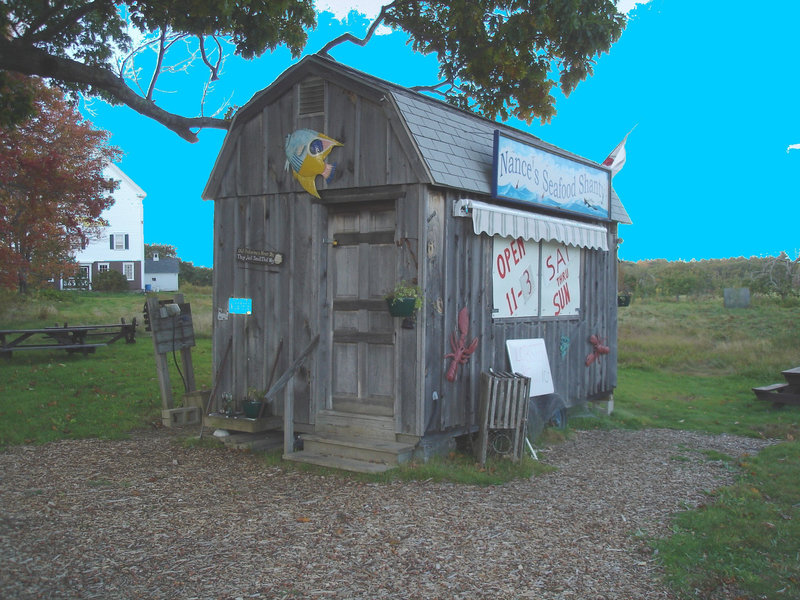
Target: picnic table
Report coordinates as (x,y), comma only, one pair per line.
(71,338)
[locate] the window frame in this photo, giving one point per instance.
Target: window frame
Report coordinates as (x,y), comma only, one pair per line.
(125,267)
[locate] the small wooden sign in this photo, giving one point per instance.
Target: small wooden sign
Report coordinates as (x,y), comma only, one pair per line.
(259,257)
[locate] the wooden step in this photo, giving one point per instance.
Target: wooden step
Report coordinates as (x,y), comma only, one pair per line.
(778,393)
(354,426)
(365,449)
(775,387)
(337,462)
(255,442)
(219,421)
(792,376)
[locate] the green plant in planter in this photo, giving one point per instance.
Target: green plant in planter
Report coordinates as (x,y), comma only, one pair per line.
(405,299)
(251,405)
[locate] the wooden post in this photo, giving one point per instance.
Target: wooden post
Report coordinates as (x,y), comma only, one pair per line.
(181,332)
(288,419)
(162,366)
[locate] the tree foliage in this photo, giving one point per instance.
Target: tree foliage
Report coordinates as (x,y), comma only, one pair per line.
(164,251)
(496,56)
(188,273)
(88,45)
(110,281)
(766,275)
(52,189)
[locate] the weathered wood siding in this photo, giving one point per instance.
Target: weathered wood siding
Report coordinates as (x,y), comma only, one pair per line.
(258,205)
(458,273)
(261,207)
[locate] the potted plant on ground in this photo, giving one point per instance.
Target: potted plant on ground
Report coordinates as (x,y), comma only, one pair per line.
(405,299)
(251,405)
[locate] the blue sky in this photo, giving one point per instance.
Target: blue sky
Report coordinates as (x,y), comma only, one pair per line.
(712,88)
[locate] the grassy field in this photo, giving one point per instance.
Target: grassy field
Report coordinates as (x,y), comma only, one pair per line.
(691,365)
(50,395)
(682,365)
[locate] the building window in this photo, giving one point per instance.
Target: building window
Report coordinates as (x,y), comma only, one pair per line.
(127,270)
(119,241)
(102,267)
(535,279)
(83,272)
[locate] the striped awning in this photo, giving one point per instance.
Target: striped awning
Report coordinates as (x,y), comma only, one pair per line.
(509,222)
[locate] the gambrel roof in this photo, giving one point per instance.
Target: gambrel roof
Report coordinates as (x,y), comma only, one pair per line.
(454,146)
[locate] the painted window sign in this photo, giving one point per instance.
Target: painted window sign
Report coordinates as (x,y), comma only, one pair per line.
(525,173)
(515,277)
(532,279)
(561,283)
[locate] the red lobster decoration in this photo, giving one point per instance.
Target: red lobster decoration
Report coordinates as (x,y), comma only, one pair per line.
(598,349)
(461,353)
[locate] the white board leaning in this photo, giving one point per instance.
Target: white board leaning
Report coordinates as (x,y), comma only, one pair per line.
(529,357)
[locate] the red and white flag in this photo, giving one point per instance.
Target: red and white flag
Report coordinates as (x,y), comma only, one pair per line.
(616,160)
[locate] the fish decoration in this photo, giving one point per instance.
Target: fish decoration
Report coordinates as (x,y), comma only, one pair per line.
(306,152)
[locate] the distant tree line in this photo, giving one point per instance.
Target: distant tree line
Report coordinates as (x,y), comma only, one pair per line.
(187,272)
(771,275)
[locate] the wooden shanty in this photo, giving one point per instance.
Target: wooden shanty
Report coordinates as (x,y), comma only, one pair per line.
(331,187)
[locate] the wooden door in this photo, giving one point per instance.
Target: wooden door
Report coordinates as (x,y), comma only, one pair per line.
(362,264)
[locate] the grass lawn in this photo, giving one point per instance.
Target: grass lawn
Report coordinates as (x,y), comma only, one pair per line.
(49,394)
(691,365)
(682,365)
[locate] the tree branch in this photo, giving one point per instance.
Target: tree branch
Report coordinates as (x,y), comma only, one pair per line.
(56,26)
(213,68)
(33,61)
(349,37)
(159,61)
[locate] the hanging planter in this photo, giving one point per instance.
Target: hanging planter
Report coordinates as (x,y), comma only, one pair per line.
(402,307)
(404,300)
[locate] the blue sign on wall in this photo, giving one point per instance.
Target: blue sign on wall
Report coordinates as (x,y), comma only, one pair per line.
(240,306)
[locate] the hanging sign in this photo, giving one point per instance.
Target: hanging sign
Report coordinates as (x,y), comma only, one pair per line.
(528,174)
(515,277)
(561,280)
(259,257)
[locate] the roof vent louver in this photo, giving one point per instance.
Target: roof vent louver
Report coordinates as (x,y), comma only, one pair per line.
(312,97)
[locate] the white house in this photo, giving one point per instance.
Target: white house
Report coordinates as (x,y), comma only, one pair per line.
(120,246)
(161,274)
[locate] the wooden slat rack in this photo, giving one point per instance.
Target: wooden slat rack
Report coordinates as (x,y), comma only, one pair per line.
(504,406)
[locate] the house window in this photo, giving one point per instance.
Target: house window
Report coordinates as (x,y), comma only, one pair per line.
(127,270)
(119,241)
(102,267)
(83,272)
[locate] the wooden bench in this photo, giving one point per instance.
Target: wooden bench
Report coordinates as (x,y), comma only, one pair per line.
(83,348)
(81,338)
(779,394)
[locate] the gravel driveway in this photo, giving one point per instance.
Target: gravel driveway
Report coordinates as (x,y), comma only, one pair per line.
(148,518)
